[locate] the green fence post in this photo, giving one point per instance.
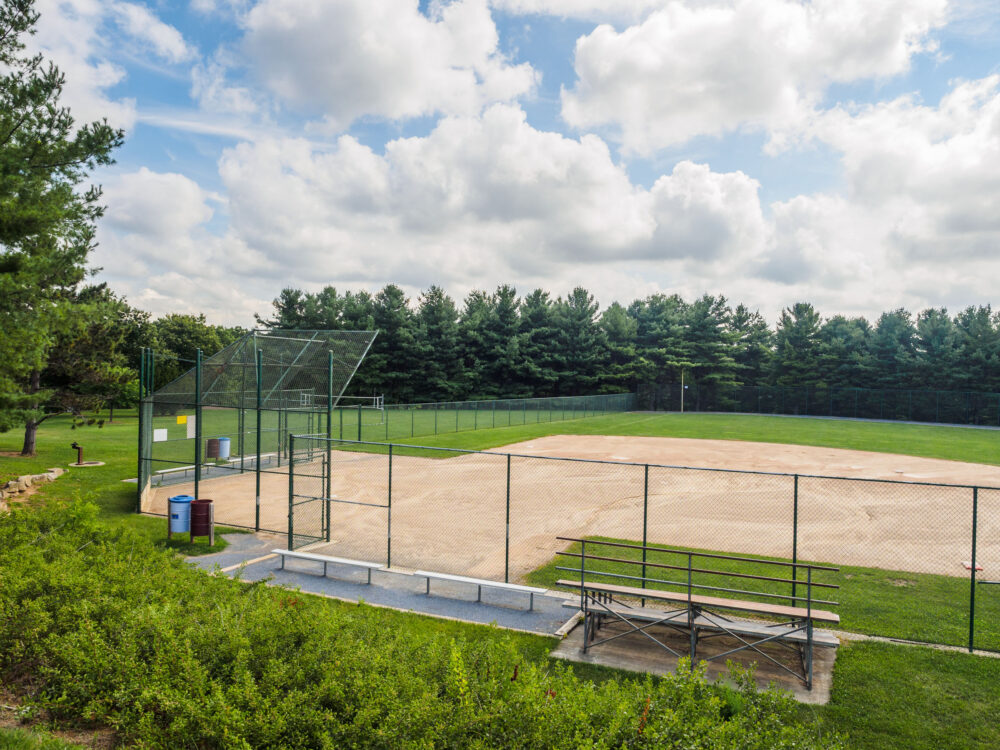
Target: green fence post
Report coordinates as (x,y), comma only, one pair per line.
(260,404)
(524,411)
(359,423)
(494,413)
(197,423)
(329,431)
(142,383)
(412,428)
(645,523)
(972,572)
(506,558)
(795,537)
(291,492)
(340,413)
(388,529)
(456,416)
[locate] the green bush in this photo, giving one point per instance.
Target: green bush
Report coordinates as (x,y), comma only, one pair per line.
(97,625)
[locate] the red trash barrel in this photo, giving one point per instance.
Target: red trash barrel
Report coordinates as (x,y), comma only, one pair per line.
(202,519)
(212,448)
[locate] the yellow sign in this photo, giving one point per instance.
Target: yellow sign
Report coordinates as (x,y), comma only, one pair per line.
(182,419)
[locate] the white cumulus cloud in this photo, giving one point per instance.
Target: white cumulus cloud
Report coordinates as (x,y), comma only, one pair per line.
(707,69)
(345,59)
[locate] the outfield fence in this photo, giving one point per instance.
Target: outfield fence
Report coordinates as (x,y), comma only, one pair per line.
(902,547)
(946,407)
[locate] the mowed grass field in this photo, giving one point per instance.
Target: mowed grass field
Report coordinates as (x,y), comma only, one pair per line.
(884,695)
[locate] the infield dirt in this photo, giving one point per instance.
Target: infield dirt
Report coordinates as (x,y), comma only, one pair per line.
(450,514)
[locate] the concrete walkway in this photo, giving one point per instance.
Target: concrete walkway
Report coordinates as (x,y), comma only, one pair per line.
(249,557)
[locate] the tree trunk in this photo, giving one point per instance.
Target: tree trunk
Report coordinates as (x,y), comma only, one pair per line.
(31,427)
(30,430)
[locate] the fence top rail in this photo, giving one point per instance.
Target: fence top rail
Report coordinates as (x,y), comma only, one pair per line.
(728,573)
(712,555)
(440,449)
(505,400)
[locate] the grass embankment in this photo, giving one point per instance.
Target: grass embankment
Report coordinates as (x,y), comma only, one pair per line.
(894,604)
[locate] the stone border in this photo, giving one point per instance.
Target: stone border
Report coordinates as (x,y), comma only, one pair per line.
(15,487)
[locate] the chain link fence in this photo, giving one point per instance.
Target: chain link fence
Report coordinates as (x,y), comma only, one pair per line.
(905,550)
(946,407)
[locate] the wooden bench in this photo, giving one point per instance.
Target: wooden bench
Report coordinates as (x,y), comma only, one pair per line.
(479,583)
(822,638)
(326,560)
(695,614)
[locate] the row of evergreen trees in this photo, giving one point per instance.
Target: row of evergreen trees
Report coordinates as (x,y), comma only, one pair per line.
(499,345)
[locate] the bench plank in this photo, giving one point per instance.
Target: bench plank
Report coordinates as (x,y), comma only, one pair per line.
(782,610)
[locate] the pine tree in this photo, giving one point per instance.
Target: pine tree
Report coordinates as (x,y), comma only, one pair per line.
(46,225)
(537,337)
(579,347)
(754,344)
(796,357)
(442,370)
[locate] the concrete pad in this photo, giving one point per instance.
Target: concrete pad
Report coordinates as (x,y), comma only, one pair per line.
(637,653)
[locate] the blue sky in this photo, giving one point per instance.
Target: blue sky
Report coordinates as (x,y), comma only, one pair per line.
(842,152)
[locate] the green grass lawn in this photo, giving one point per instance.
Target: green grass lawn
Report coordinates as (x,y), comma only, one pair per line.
(971,444)
(115,445)
(913,698)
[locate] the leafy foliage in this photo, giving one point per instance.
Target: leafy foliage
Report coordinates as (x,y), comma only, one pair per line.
(99,626)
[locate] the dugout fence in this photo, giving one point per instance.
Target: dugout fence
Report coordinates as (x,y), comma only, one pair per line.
(904,545)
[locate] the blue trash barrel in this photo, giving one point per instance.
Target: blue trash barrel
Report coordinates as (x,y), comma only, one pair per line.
(224,447)
(180,514)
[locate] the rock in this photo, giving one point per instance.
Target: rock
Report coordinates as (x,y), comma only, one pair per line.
(22,484)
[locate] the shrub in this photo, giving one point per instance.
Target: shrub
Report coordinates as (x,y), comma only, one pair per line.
(98,625)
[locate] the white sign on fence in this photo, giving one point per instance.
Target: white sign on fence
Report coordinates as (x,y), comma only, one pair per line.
(191,424)
(160,436)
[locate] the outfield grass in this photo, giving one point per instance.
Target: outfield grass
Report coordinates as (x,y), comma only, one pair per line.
(895,604)
(976,445)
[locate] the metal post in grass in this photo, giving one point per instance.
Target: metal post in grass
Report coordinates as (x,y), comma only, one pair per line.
(435,420)
(142,383)
(412,429)
(340,412)
(359,423)
(291,491)
(645,522)
(475,416)
(506,559)
(197,423)
(972,571)
(795,536)
(388,530)
(260,377)
(456,416)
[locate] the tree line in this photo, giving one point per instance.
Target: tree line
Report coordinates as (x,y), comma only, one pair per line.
(498,344)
